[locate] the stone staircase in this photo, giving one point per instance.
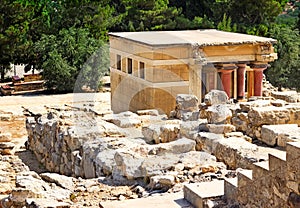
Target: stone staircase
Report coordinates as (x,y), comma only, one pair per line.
(272,183)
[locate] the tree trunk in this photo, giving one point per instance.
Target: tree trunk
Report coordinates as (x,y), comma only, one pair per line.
(2,73)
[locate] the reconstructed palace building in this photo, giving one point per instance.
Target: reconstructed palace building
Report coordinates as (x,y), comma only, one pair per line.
(148,69)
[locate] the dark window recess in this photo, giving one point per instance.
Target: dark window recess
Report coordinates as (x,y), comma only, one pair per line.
(142,70)
(119,63)
(129,66)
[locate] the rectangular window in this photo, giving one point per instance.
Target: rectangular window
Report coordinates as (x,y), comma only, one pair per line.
(142,70)
(119,64)
(129,66)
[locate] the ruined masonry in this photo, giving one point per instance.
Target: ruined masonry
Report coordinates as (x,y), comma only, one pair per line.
(226,146)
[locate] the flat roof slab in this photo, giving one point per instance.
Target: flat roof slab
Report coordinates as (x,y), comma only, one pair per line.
(209,37)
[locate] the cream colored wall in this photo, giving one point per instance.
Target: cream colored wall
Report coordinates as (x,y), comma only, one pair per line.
(166,75)
(132,93)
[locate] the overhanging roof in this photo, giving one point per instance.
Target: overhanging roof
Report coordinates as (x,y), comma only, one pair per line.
(209,37)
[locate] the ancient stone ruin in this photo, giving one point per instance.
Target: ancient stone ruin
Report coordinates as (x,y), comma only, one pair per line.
(245,152)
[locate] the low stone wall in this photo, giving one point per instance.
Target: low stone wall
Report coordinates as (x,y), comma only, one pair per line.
(32,77)
(252,116)
(27,86)
(80,144)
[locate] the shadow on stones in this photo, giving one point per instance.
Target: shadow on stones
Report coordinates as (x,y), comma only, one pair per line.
(29,159)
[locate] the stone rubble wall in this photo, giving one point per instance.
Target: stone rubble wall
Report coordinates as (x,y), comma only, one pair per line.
(83,145)
(253,116)
(57,140)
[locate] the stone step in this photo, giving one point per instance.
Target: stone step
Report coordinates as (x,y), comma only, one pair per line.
(292,153)
(174,200)
(231,189)
(198,193)
(277,161)
(244,178)
(260,169)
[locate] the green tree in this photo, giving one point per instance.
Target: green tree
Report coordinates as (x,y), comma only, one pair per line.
(14,26)
(285,72)
(148,15)
(97,16)
(226,25)
(62,56)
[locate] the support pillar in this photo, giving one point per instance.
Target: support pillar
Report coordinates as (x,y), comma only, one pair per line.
(258,78)
(195,79)
(226,77)
(241,80)
(226,81)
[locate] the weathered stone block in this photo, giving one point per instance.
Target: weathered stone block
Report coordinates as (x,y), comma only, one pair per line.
(247,106)
(218,114)
(269,115)
(215,97)
(288,96)
(279,134)
(162,132)
(220,128)
(187,102)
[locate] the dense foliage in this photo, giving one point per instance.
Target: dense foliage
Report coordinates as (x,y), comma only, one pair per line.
(59,36)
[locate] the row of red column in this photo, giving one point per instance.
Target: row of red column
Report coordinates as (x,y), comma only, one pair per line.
(226,78)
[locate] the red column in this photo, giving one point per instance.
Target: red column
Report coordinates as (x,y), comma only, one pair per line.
(226,80)
(241,80)
(258,77)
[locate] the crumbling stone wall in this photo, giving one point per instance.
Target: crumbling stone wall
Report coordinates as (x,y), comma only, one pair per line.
(78,143)
(57,139)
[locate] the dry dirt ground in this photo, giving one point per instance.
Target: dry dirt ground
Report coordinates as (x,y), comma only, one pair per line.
(10,165)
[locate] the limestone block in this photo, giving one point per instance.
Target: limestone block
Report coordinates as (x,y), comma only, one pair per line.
(208,141)
(278,103)
(169,132)
(239,124)
(151,133)
(105,162)
(189,128)
(175,147)
(247,106)
(187,115)
(215,97)
(187,102)
(162,181)
(221,128)
(288,96)
(162,132)
(269,115)
(279,134)
(60,180)
(129,164)
(31,181)
(197,158)
(218,114)
(230,149)
(157,164)
(124,119)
